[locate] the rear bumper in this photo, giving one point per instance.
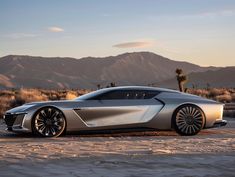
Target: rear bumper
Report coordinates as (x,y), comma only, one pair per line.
(220,123)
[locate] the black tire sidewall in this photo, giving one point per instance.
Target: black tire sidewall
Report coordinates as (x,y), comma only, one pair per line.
(174,120)
(34,130)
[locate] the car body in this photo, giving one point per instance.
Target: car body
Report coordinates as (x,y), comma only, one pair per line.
(118,108)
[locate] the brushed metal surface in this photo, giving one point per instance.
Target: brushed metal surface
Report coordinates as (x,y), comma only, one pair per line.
(118,112)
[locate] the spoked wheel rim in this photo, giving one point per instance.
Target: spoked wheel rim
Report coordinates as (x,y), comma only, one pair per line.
(49,122)
(189,120)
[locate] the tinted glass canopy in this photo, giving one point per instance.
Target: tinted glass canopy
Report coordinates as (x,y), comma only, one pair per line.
(126,94)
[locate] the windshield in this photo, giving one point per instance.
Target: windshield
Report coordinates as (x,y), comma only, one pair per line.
(90,95)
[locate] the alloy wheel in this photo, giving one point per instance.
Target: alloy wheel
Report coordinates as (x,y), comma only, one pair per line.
(189,120)
(49,122)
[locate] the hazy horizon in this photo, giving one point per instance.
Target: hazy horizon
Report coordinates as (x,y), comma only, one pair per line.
(197,31)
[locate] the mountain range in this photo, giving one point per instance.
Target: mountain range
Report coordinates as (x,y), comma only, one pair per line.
(138,68)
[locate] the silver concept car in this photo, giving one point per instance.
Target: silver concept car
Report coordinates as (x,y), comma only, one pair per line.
(118,108)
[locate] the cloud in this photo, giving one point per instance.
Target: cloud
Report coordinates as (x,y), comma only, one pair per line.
(225,12)
(228,12)
(209,14)
(55,29)
(20,35)
(136,44)
(212,14)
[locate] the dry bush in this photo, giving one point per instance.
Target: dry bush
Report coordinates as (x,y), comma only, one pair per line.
(226,98)
(215,92)
(231,90)
(5,103)
(63,94)
(28,95)
(199,92)
(233,97)
(51,94)
(71,95)
(7,93)
(57,95)
(222,95)
(226,92)
(83,91)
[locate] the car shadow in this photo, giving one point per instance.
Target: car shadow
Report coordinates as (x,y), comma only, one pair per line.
(11,135)
(120,133)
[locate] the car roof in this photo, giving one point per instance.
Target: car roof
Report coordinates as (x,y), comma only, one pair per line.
(104,90)
(138,88)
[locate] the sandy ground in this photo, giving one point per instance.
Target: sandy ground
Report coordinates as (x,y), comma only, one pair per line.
(211,153)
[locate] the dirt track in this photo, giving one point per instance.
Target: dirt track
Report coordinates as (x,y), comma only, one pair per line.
(211,153)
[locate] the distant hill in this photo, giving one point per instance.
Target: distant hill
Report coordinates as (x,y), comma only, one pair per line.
(139,68)
(224,77)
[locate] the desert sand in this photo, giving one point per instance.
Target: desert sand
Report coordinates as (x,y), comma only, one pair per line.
(163,153)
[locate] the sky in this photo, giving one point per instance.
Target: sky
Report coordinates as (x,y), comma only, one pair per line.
(196,31)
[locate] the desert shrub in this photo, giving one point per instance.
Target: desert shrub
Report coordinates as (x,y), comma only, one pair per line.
(53,97)
(231,90)
(233,97)
(225,92)
(7,93)
(71,95)
(51,94)
(226,98)
(28,95)
(215,92)
(199,92)
(5,103)
(82,92)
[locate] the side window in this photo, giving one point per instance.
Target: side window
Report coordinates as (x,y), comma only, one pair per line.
(112,95)
(150,94)
(127,95)
(136,94)
(142,94)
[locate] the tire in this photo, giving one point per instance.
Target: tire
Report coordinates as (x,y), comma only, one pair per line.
(48,122)
(188,120)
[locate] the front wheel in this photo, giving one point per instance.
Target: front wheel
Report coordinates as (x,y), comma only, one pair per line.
(188,120)
(49,122)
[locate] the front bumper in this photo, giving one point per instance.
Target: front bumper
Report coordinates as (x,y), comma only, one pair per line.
(220,123)
(14,121)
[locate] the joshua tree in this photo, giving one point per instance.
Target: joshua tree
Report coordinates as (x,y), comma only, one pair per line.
(98,86)
(181,78)
(112,84)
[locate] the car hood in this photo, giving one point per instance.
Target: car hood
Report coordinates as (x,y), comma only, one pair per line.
(49,102)
(25,107)
(19,109)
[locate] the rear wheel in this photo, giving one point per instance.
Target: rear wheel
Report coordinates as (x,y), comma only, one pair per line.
(49,122)
(188,120)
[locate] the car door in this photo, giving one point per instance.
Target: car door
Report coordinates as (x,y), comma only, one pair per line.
(118,108)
